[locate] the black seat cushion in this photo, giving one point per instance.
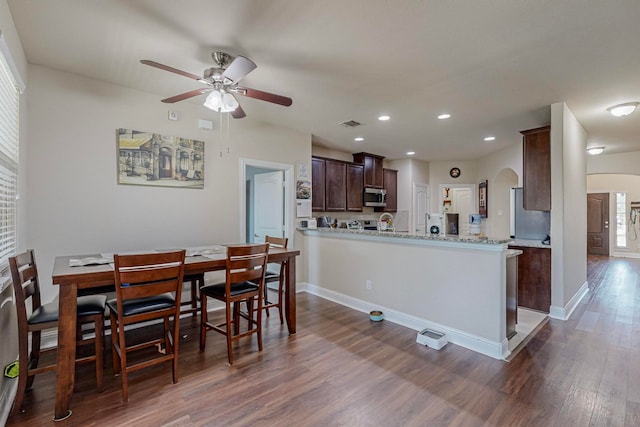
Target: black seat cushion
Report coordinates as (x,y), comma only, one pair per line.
(218,289)
(89,305)
(143,305)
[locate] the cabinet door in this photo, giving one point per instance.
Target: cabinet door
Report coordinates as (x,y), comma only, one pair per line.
(373,175)
(390,180)
(534,278)
(537,169)
(317,185)
(335,186)
(355,187)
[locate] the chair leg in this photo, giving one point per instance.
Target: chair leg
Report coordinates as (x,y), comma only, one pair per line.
(236,317)
(123,362)
(114,343)
(194,295)
(99,344)
(228,326)
(203,321)
(259,323)
(23,375)
(34,357)
(266,297)
(174,347)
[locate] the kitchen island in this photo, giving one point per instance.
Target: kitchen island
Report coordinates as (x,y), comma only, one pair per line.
(456,285)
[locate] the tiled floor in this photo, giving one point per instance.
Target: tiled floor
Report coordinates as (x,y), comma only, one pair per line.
(528,322)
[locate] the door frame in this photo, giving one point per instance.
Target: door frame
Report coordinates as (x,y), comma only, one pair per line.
(289,194)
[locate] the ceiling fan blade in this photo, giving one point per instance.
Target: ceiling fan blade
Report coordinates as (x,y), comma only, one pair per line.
(239,68)
(238,113)
(264,96)
(171,69)
(186,95)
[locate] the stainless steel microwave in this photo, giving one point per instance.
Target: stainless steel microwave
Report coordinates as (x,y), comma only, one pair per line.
(376,197)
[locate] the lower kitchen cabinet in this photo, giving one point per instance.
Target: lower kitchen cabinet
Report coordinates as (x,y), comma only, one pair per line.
(534,278)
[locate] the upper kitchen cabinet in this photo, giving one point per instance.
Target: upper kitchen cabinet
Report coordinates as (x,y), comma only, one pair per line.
(373,173)
(536,151)
(355,187)
(335,185)
(390,180)
(317,184)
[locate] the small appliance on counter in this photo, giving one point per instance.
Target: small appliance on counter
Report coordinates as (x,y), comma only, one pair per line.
(435,224)
(451,223)
(309,224)
(324,222)
(385,222)
(368,224)
(474,224)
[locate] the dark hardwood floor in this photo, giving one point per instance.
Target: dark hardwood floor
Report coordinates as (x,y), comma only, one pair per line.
(341,369)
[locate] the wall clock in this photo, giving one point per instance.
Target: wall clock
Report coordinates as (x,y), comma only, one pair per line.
(454,172)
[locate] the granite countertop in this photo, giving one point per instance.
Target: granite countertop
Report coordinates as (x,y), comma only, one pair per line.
(427,237)
(527,243)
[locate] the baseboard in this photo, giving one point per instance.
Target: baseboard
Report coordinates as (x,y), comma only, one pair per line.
(626,254)
(564,313)
(496,350)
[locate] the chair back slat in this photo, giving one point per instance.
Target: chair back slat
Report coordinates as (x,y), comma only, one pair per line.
(277,242)
(24,275)
(139,276)
(246,263)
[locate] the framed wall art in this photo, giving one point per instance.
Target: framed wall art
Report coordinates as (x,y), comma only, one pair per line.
(483,188)
(146,158)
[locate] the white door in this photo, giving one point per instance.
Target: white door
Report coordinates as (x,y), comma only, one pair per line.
(268,205)
(462,205)
(420,207)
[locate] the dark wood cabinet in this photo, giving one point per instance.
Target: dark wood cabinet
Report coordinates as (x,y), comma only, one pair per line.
(355,187)
(390,181)
(536,152)
(317,185)
(335,185)
(373,173)
(534,278)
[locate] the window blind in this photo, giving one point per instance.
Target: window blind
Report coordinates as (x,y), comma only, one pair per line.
(9,119)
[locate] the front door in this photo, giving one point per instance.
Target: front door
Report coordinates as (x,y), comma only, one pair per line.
(598,224)
(268,215)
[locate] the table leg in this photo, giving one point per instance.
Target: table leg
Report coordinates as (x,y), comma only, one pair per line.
(66,350)
(290,294)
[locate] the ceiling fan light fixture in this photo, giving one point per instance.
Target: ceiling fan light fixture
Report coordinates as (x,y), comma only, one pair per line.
(221,101)
(621,110)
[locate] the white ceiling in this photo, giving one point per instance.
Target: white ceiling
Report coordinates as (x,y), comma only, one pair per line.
(494,65)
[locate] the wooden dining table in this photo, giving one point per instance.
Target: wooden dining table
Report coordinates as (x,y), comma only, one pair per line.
(72,279)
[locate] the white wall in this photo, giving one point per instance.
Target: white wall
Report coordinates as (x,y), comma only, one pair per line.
(439,174)
(75,203)
(499,169)
(622,163)
(568,208)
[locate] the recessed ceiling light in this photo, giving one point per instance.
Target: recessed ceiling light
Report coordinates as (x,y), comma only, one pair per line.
(623,109)
(444,116)
(358,139)
(384,118)
(490,138)
(594,151)
(410,153)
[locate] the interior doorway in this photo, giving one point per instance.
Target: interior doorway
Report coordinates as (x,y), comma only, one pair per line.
(420,207)
(598,224)
(266,200)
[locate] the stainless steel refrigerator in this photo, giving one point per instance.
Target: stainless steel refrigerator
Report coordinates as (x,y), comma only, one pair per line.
(525,224)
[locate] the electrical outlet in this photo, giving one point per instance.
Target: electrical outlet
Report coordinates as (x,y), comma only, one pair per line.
(369,285)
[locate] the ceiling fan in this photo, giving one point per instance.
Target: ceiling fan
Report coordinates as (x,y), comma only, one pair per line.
(222,82)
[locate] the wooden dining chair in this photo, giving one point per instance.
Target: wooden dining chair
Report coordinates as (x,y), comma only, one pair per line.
(245,271)
(148,287)
(90,309)
(273,275)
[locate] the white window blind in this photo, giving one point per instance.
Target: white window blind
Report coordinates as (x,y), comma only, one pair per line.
(9,116)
